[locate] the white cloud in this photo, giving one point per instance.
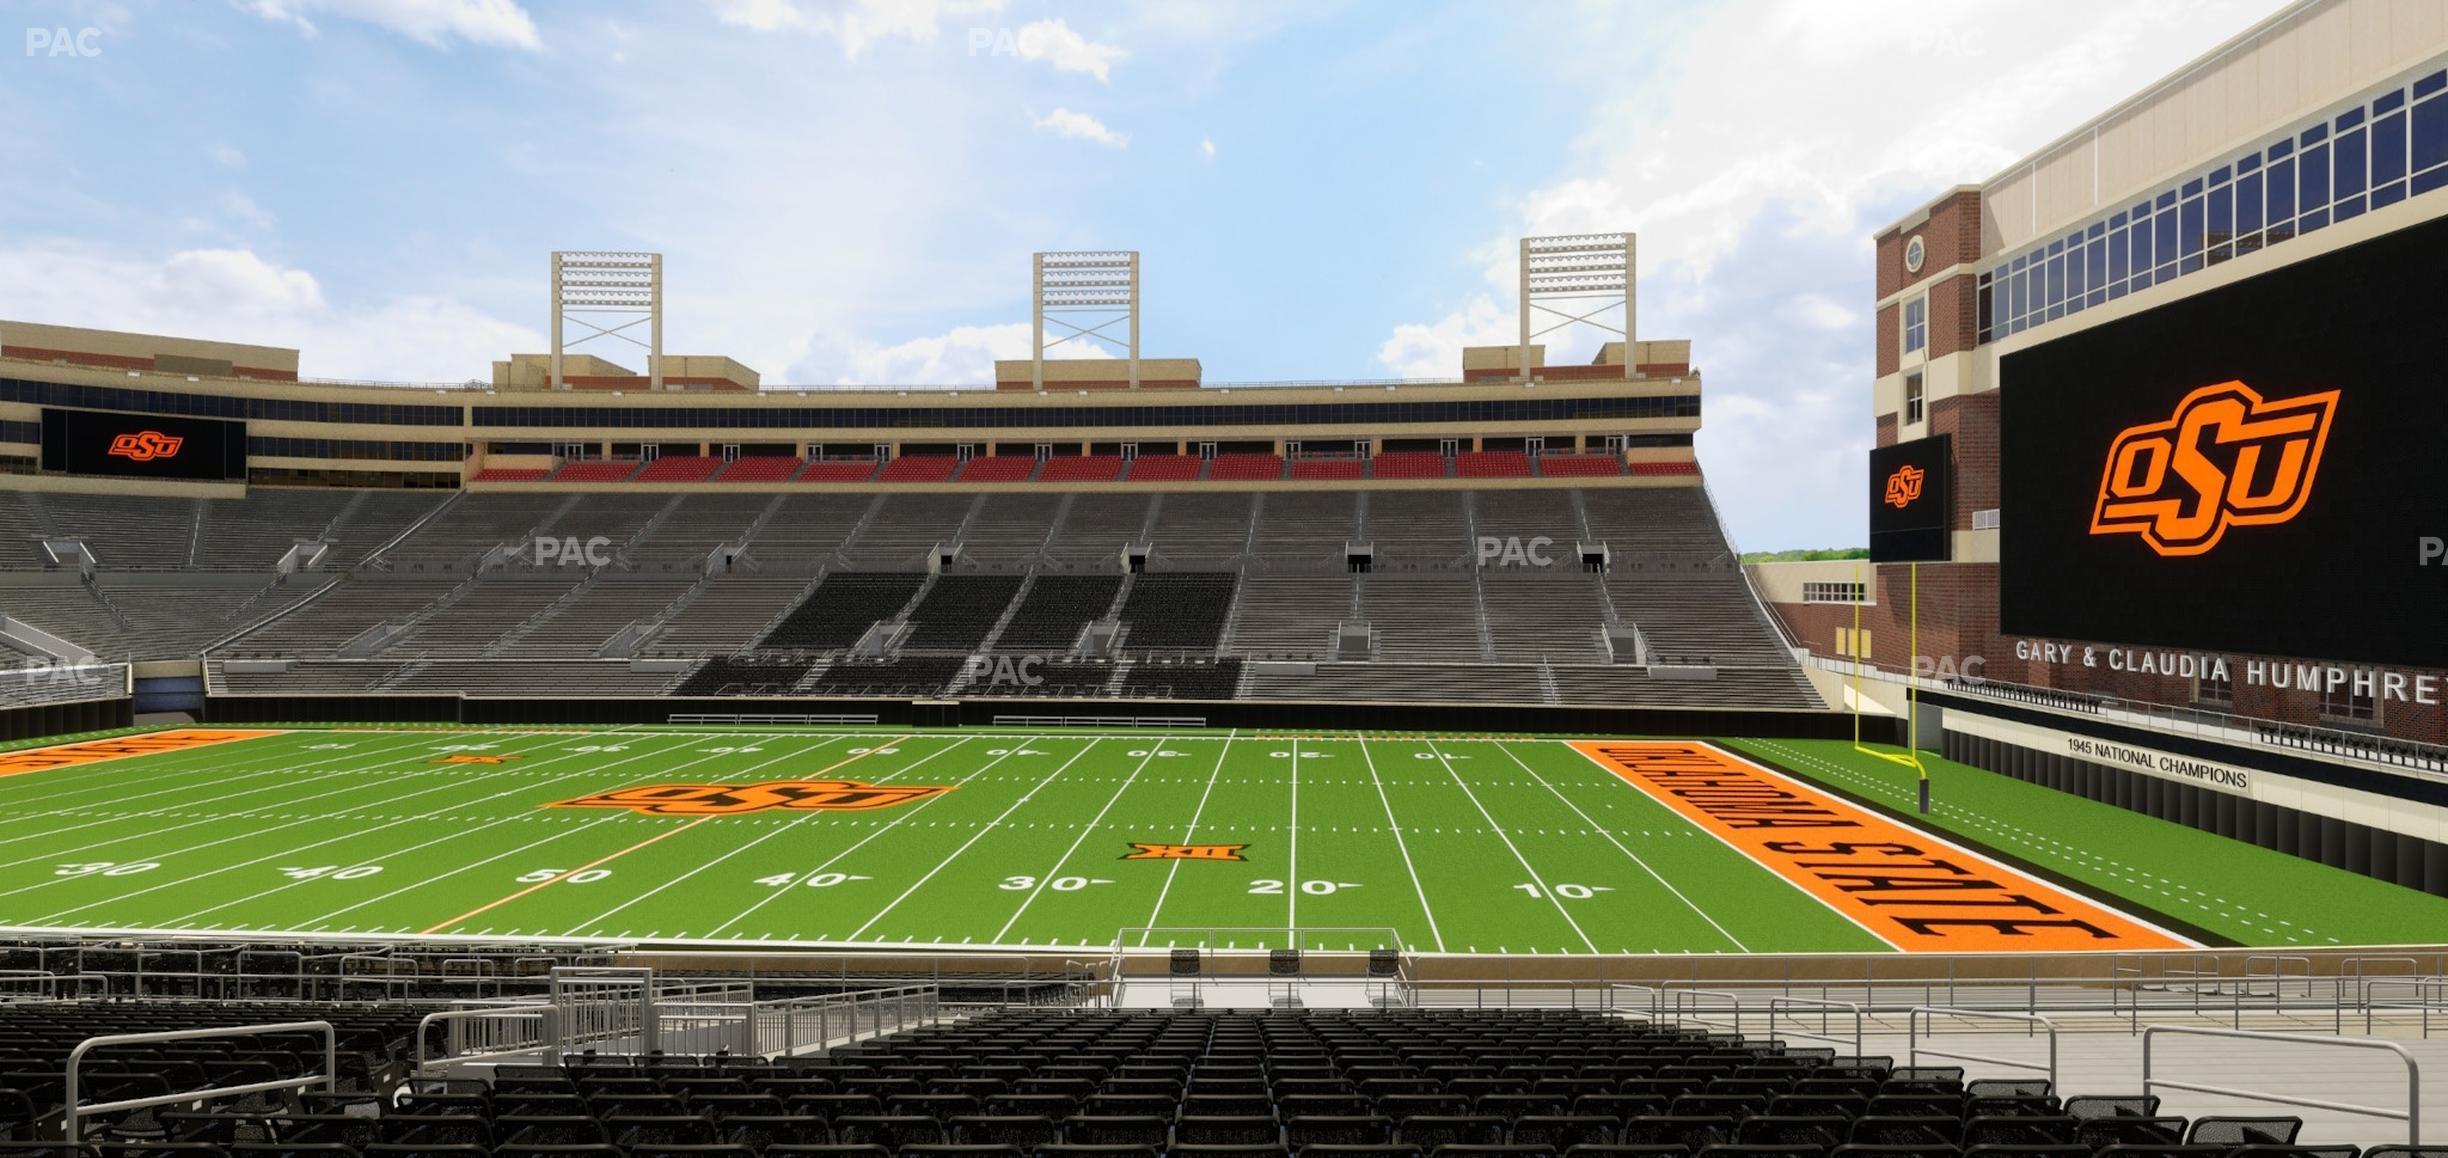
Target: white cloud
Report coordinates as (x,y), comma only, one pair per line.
(1054,42)
(857,24)
(1755,165)
(235,295)
(1207,147)
(243,209)
(1081,126)
(964,356)
(492,23)
(228,157)
(1434,349)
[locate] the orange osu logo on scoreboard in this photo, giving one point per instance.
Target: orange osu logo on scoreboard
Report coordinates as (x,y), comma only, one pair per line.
(146,445)
(1904,486)
(767,796)
(2228,458)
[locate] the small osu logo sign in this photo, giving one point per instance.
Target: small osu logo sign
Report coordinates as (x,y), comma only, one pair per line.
(768,796)
(146,445)
(2227,458)
(1904,486)
(1146,850)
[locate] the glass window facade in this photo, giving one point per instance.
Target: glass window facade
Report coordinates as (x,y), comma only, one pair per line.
(2373,155)
(223,406)
(1916,324)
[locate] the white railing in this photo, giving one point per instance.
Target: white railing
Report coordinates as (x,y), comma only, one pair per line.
(489,1034)
(2033,1024)
(75,1113)
(2411,1115)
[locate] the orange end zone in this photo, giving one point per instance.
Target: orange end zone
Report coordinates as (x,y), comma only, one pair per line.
(1913,890)
(117,747)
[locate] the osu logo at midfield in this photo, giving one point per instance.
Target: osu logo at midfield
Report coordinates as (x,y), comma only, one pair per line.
(146,445)
(1904,486)
(733,799)
(2228,458)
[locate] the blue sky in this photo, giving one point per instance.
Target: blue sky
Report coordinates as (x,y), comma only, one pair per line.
(848,190)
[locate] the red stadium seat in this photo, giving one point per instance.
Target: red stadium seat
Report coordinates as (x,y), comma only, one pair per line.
(1246,467)
(839,470)
(1165,468)
(1492,464)
(1580,465)
(761,468)
(681,468)
(1408,464)
(1000,468)
(920,468)
(1084,468)
(1665,468)
(512,474)
(1329,468)
(596,470)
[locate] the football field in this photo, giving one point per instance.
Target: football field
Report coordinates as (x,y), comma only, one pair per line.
(1066,838)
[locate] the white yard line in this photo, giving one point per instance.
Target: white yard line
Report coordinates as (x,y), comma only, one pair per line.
(1187,837)
(1068,853)
(206,790)
(287,852)
(772,831)
(659,774)
(1601,829)
(1402,846)
(1498,829)
(980,834)
(895,822)
(350,785)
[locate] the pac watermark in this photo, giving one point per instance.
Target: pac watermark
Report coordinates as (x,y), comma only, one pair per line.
(1515,551)
(567,551)
(83,43)
(1005,671)
(60,675)
(1953,669)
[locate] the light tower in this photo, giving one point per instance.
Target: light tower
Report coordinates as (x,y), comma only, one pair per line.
(1086,292)
(608,294)
(1580,278)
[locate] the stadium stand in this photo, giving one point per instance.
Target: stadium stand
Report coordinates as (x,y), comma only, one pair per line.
(681,468)
(729,676)
(404,590)
(1408,464)
(1165,468)
(909,676)
(1491,464)
(1580,465)
(761,468)
(1246,467)
(1083,468)
(1055,610)
(958,611)
(1002,468)
(1182,679)
(596,471)
(1313,468)
(920,468)
(837,612)
(513,474)
(1180,612)
(839,470)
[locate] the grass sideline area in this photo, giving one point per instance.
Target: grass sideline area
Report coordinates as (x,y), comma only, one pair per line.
(2227,888)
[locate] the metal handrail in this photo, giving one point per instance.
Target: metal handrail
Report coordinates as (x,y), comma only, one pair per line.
(2429,993)
(1825,1007)
(74,1114)
(545,1036)
(2411,1115)
(1914,1050)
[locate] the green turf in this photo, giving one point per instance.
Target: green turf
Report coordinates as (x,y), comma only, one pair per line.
(2242,892)
(1477,845)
